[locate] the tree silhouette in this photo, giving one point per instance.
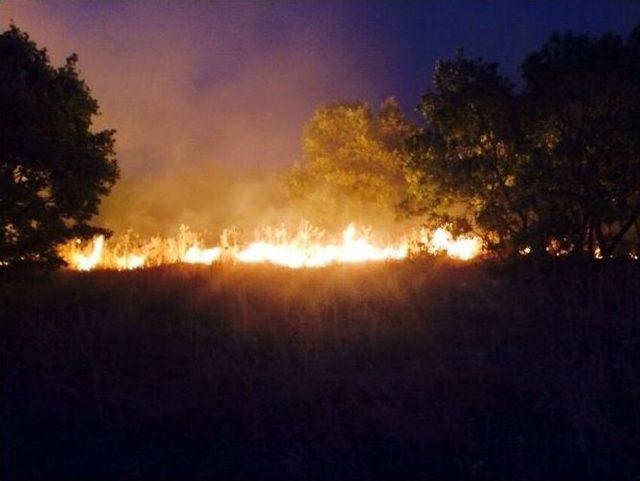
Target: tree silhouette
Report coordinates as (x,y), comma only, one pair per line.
(553,167)
(582,102)
(463,165)
(53,167)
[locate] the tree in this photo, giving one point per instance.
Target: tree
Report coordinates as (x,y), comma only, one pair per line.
(464,164)
(582,101)
(555,167)
(352,167)
(53,167)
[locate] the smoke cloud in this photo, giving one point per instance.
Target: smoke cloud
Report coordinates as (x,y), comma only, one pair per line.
(199,94)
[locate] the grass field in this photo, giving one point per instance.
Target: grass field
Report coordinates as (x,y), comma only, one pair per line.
(407,371)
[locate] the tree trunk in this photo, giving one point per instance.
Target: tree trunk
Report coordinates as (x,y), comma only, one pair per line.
(621,233)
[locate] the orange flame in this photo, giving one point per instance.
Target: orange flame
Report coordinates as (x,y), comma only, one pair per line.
(304,249)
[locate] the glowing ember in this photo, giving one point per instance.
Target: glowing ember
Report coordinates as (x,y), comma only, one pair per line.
(304,249)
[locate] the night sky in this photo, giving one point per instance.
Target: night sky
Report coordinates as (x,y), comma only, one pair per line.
(234,82)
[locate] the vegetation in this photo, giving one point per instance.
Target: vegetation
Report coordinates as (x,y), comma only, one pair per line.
(550,167)
(353,168)
(555,166)
(423,370)
(53,167)
(524,368)
(583,99)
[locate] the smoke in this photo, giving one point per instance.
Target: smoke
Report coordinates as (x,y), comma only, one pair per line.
(196,82)
(208,198)
(202,96)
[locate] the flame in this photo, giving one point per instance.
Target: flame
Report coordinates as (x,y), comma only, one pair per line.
(129,261)
(306,248)
(196,255)
(86,263)
(296,254)
(463,248)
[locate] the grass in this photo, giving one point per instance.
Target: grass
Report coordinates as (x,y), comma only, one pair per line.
(412,370)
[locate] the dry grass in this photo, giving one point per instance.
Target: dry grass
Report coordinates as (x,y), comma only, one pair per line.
(412,370)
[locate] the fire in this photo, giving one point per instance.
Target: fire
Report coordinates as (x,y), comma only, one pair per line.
(303,254)
(86,263)
(129,261)
(306,248)
(196,255)
(463,248)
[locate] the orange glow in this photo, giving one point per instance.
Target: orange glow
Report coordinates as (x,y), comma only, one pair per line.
(463,247)
(305,248)
(87,262)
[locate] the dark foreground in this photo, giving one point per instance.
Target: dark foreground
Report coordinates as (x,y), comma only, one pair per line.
(411,371)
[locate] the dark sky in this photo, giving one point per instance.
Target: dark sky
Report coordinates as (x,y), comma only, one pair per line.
(233,82)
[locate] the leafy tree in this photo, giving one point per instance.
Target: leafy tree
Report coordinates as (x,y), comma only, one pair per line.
(463,166)
(53,167)
(582,101)
(352,167)
(557,164)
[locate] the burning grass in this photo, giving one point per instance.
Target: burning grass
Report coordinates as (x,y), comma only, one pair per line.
(399,370)
(306,247)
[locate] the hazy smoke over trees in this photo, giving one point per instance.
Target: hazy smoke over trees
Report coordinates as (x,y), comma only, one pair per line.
(194,104)
(209,100)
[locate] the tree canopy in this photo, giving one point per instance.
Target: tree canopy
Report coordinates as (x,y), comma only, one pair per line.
(582,102)
(553,167)
(53,167)
(353,167)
